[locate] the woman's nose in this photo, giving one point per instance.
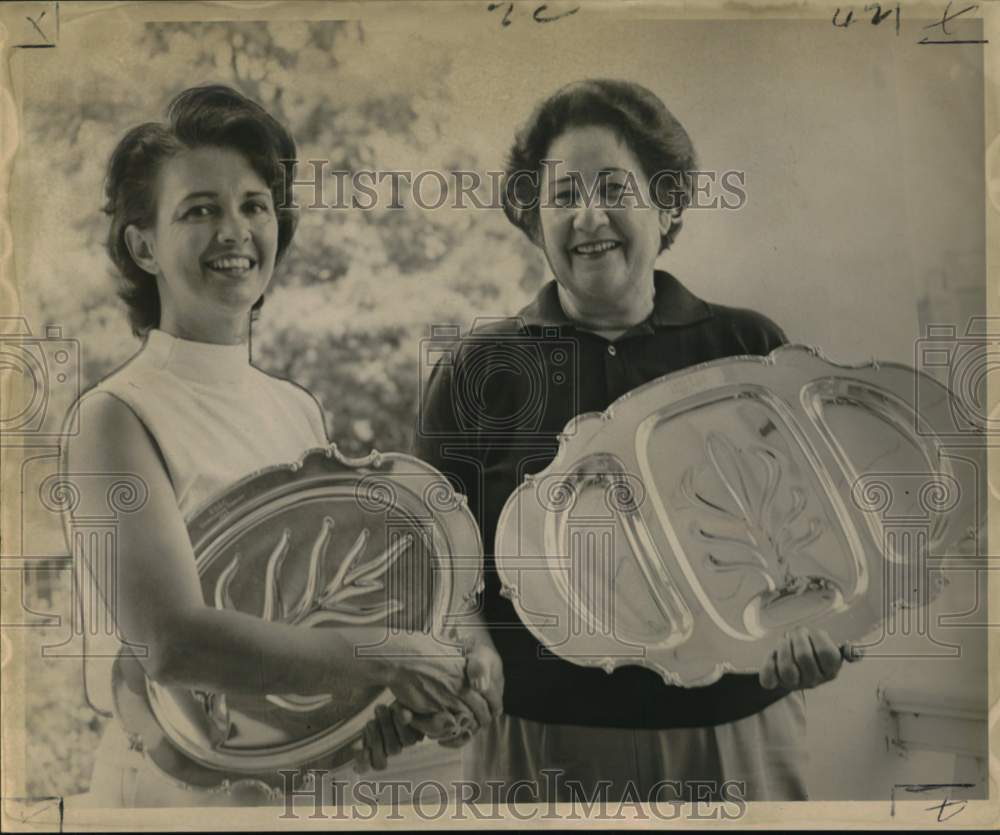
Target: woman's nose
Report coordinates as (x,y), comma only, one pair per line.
(233,229)
(589,218)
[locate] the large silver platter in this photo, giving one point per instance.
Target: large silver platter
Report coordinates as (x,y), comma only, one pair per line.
(704,514)
(328,542)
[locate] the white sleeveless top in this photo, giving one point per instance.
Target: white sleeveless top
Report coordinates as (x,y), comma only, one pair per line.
(214,417)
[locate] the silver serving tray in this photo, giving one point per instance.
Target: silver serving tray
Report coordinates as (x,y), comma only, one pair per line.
(328,542)
(704,514)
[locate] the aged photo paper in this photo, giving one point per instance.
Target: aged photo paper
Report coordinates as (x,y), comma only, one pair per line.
(846,194)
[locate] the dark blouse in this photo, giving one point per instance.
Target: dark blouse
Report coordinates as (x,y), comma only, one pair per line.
(490,414)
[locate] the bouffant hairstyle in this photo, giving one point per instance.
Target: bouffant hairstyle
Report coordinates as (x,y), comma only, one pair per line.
(209,116)
(640,120)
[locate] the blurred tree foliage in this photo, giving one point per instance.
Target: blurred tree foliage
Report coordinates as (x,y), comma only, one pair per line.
(357,291)
(62,732)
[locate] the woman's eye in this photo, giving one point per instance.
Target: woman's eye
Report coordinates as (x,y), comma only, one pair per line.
(258,207)
(613,191)
(199,211)
(565,197)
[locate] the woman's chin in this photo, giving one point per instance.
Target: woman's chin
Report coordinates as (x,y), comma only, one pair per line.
(602,286)
(607,262)
(239,298)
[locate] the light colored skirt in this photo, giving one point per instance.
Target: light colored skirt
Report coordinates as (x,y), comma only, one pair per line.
(125,778)
(764,755)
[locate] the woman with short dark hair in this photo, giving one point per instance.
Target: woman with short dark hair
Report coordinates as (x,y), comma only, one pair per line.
(637,116)
(198,222)
(197,117)
(599,179)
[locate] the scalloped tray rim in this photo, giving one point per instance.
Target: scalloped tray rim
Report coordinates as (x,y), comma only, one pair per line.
(571,436)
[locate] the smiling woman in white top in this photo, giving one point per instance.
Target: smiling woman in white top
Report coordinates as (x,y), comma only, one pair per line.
(197,225)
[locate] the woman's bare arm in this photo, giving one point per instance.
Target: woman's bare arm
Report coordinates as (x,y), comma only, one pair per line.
(161,605)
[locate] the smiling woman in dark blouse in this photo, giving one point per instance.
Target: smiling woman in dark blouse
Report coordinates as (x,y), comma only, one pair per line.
(627,323)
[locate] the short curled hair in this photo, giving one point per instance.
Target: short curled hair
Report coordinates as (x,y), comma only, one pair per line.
(635,114)
(209,116)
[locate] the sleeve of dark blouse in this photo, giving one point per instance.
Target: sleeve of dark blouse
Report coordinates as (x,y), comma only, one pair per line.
(774,336)
(441,442)
(757,334)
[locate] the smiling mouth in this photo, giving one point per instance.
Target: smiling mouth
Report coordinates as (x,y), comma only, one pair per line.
(232,264)
(595,249)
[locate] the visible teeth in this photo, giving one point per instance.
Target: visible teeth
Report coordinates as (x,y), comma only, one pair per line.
(238,263)
(593,249)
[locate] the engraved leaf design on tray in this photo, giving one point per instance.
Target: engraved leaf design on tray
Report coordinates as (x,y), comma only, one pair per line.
(748,517)
(317,605)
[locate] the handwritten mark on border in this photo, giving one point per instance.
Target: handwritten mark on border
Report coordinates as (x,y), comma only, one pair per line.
(842,20)
(40,26)
(35,811)
(942,808)
(946,18)
(540,14)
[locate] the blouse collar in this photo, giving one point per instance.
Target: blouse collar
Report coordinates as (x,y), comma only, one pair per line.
(673,305)
(199,361)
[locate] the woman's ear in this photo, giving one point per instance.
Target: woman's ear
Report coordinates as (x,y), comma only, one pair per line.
(667,219)
(140,247)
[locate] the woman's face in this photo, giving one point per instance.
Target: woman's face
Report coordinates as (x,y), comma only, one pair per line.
(213,245)
(602,258)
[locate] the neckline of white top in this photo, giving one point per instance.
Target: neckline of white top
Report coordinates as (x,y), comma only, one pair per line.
(203,362)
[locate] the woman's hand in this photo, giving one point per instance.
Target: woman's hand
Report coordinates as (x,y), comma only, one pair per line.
(481,701)
(465,679)
(482,695)
(484,672)
(484,669)
(395,728)
(385,736)
(805,659)
(428,685)
(428,676)
(441,695)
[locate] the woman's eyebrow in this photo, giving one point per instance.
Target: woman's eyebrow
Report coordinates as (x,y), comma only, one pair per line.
(576,175)
(196,195)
